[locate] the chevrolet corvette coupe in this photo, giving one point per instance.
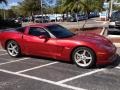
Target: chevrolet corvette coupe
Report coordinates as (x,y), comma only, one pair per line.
(55,41)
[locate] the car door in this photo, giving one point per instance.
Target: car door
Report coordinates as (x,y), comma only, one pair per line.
(36,44)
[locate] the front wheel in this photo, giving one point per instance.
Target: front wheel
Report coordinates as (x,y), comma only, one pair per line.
(13,49)
(84,57)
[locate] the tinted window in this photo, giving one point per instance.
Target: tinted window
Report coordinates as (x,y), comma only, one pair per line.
(21,29)
(115,16)
(59,31)
(38,31)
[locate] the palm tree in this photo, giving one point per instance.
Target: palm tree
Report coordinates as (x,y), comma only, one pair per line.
(85,6)
(116,7)
(4,1)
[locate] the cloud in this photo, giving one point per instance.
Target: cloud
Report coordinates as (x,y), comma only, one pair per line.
(13,4)
(10,5)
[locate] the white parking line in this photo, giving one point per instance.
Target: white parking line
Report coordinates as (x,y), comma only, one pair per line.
(104,23)
(13,61)
(80,76)
(36,67)
(41,79)
(103,30)
(3,54)
(117,67)
(2,50)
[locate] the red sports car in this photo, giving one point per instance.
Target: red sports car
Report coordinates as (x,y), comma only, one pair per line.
(55,41)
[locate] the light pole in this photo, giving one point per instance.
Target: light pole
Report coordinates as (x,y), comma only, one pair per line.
(4,12)
(111,7)
(41,4)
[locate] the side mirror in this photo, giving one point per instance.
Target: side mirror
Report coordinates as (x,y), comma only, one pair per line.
(43,37)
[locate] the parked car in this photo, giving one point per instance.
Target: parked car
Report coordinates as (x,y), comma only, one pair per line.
(79,17)
(59,18)
(55,41)
(40,19)
(18,20)
(115,20)
(25,19)
(9,23)
(46,19)
(52,18)
(114,25)
(93,14)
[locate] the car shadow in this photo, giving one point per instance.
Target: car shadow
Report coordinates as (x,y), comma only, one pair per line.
(108,66)
(49,59)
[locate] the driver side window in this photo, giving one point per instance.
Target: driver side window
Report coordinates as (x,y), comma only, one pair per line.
(36,31)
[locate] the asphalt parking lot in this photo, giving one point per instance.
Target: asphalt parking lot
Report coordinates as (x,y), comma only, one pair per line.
(36,73)
(33,73)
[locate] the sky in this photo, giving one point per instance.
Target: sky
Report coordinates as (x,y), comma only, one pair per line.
(10,3)
(15,2)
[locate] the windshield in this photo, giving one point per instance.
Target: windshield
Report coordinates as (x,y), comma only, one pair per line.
(59,31)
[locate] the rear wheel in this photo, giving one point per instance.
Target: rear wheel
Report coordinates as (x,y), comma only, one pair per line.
(13,48)
(84,57)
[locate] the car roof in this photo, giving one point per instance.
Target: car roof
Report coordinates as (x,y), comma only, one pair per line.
(41,25)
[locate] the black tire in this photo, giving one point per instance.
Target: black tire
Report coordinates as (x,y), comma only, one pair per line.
(91,62)
(18,49)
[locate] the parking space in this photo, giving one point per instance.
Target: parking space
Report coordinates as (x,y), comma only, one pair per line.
(57,71)
(105,80)
(33,73)
(14,82)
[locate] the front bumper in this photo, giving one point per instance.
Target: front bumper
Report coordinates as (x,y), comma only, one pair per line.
(107,57)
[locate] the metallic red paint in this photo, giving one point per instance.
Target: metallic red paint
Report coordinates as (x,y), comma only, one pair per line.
(61,49)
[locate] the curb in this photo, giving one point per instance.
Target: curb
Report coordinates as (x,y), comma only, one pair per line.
(117,44)
(101,21)
(103,30)
(113,36)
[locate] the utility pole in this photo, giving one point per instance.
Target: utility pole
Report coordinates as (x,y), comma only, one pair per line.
(41,4)
(111,7)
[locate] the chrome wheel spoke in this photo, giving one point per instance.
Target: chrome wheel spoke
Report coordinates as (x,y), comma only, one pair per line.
(12,52)
(78,54)
(12,49)
(11,45)
(84,62)
(84,52)
(15,52)
(79,60)
(88,57)
(15,47)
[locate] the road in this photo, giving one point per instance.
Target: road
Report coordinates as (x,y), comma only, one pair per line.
(93,22)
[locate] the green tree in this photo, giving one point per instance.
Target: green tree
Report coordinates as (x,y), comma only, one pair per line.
(85,6)
(116,7)
(30,6)
(10,13)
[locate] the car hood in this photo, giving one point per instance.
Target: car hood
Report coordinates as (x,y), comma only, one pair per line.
(91,37)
